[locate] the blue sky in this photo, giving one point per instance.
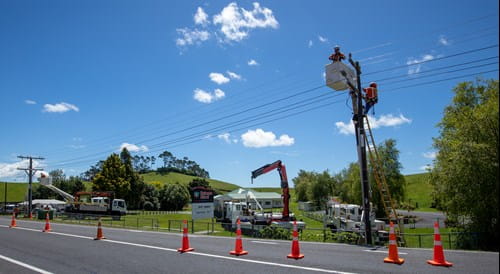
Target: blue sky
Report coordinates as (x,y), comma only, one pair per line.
(231,85)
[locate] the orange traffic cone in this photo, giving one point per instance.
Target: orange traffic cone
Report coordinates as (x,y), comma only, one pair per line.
(13,221)
(99,231)
(47,224)
(185,241)
(295,244)
(238,249)
(393,248)
(31,216)
(438,259)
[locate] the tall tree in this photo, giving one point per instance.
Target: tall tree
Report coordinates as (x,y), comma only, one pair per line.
(135,197)
(465,173)
(112,177)
(174,196)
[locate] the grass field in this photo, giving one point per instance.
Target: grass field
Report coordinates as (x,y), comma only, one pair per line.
(15,192)
(172,177)
(419,191)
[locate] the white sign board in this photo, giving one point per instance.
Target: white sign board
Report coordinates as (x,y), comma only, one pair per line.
(202,210)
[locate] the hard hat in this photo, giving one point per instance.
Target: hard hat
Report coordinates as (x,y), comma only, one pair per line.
(373,84)
(336,47)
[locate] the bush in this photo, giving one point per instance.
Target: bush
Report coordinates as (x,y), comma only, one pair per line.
(347,237)
(272,232)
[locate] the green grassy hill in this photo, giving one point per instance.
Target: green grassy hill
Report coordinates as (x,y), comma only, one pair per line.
(173,177)
(418,191)
(15,192)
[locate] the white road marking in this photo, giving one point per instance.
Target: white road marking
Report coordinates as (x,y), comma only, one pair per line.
(34,268)
(267,243)
(194,253)
(381,251)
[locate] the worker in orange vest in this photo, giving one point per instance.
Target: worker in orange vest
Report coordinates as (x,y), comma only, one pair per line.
(371,96)
(337,56)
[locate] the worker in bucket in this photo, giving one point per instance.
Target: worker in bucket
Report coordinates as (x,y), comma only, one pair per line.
(371,96)
(337,56)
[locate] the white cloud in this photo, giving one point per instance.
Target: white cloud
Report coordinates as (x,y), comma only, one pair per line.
(207,97)
(134,148)
(60,108)
(443,40)
(190,37)
(388,120)
(218,78)
(426,167)
(200,17)
(252,62)
(10,171)
(30,102)
(415,65)
(227,138)
(260,138)
(322,39)
(430,154)
(233,75)
(236,22)
(310,44)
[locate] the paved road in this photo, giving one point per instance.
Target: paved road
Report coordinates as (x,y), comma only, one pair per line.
(70,249)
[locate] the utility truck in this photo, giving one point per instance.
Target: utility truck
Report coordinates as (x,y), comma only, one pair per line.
(98,203)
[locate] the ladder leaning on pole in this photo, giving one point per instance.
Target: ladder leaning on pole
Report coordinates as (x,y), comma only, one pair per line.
(383,188)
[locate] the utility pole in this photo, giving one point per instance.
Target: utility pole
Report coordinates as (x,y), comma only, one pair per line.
(30,172)
(361,144)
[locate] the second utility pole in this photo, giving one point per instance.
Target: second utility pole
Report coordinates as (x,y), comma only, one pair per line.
(361,144)
(30,172)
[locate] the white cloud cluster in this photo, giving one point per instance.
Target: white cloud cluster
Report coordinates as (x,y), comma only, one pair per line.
(30,102)
(207,97)
(218,78)
(430,155)
(233,75)
(260,138)
(234,24)
(200,17)
(227,138)
(252,62)
(9,171)
(388,120)
(443,41)
(134,148)
(60,107)
(415,65)
(322,39)
(191,37)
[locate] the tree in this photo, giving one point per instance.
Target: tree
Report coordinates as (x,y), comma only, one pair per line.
(92,172)
(199,182)
(465,173)
(134,197)
(301,184)
(151,197)
(112,177)
(174,196)
(389,159)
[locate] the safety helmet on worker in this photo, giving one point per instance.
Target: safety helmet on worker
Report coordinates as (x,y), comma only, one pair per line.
(373,84)
(336,47)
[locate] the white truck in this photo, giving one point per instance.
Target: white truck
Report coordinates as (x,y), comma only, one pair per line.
(100,203)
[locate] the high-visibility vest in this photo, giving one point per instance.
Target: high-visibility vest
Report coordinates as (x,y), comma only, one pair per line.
(371,93)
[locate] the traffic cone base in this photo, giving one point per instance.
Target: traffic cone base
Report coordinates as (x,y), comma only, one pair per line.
(394,261)
(435,263)
(182,250)
(238,253)
(295,256)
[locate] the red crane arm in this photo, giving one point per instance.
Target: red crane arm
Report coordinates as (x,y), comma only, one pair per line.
(284,183)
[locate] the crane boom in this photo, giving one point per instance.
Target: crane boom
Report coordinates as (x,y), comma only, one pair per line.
(278,165)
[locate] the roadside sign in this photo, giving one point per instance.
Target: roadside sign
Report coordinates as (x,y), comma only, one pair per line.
(202,202)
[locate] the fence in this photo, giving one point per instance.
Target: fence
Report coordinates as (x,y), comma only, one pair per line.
(450,240)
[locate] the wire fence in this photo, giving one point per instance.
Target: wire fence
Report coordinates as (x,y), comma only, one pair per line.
(450,240)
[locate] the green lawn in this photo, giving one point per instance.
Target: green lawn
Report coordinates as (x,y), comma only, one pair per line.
(419,191)
(172,177)
(15,192)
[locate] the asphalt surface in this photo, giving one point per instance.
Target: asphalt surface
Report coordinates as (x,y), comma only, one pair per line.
(71,249)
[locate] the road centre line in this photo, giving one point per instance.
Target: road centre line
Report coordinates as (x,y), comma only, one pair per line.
(261,242)
(193,253)
(25,265)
